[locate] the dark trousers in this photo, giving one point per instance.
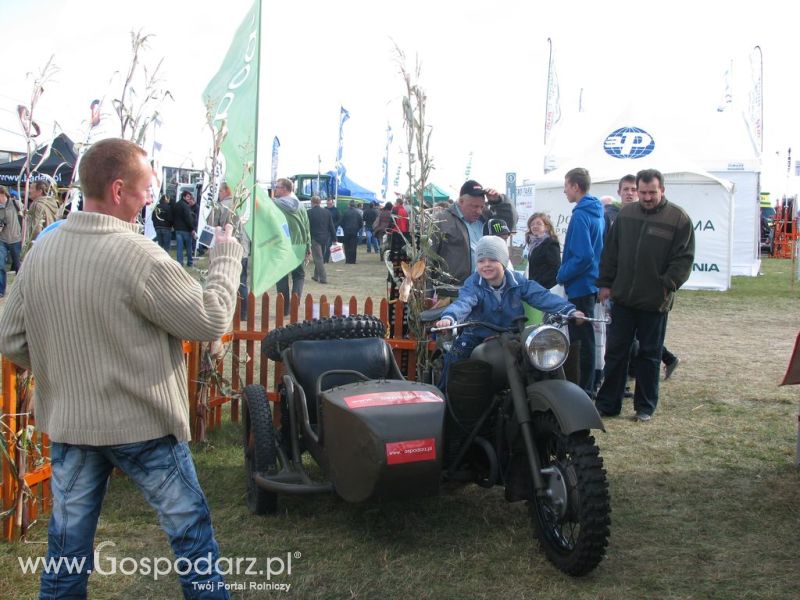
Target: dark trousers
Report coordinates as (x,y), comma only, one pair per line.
(585,335)
(298,278)
(319,263)
(649,328)
(350,248)
(667,357)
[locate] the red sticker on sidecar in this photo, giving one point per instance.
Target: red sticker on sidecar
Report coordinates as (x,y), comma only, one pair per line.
(411,451)
(390,399)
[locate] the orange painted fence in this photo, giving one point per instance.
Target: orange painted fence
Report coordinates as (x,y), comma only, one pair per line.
(23,499)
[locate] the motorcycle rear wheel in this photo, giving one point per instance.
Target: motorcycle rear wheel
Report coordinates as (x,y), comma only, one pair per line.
(572,524)
(260,448)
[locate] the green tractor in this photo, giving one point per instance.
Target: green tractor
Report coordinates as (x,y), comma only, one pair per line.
(322,185)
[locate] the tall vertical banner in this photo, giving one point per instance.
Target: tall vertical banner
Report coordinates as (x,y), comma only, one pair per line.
(343,116)
(232,95)
(385,182)
(468,170)
(756,116)
(727,97)
(276,146)
(552,111)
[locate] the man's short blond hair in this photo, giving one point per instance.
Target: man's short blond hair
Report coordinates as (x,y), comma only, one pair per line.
(287,184)
(106,161)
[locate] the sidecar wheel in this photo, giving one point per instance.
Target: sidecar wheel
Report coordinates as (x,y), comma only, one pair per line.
(260,453)
(332,328)
(572,525)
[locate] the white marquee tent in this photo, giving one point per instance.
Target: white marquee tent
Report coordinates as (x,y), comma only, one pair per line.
(717,142)
(707,199)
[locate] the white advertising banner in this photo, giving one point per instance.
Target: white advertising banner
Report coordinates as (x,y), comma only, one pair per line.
(709,206)
(526,197)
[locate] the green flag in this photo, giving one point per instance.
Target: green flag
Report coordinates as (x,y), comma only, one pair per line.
(232,96)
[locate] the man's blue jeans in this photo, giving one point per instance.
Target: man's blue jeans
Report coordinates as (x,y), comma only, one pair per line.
(164,472)
(164,237)
(372,242)
(15,250)
(183,242)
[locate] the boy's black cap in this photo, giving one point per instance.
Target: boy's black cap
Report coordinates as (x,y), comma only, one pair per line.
(472,188)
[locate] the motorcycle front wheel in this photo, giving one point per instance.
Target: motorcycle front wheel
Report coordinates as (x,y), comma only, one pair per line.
(572,522)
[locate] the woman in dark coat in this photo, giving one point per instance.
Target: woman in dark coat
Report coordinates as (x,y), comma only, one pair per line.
(543,250)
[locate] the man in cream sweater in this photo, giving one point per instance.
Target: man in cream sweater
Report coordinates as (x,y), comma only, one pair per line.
(97,313)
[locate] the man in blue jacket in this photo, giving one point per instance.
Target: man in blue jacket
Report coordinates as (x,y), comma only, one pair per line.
(580,265)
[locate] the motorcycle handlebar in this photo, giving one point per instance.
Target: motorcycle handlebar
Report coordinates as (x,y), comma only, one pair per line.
(550,319)
(491,326)
(561,319)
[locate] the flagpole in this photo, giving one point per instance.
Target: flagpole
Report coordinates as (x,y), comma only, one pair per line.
(258,92)
(547,95)
(761,94)
(253,195)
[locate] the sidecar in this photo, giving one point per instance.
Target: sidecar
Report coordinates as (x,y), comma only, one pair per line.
(345,404)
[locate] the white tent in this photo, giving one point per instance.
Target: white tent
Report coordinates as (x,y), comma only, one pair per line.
(721,144)
(629,147)
(717,142)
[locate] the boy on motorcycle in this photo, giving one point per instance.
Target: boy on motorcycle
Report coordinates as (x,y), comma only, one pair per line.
(494,295)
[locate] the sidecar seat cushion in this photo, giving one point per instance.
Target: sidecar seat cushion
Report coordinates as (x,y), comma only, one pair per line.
(309,359)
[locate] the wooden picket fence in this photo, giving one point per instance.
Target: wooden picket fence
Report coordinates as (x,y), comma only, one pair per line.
(25,498)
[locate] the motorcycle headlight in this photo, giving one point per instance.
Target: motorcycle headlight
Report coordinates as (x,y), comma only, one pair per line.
(547,347)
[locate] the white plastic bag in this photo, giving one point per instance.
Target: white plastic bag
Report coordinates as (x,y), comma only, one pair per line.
(337,252)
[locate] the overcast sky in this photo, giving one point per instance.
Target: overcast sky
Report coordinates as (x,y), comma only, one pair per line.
(484,67)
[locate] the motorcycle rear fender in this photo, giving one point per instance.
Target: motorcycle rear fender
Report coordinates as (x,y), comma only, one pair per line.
(569,403)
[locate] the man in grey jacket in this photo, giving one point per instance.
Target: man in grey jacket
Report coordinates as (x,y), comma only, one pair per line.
(460,227)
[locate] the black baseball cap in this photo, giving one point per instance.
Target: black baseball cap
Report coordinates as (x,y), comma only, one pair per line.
(472,188)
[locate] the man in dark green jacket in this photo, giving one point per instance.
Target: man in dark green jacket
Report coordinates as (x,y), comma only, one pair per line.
(647,257)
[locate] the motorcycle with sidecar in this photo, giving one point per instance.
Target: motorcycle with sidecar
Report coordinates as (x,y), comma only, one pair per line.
(509,419)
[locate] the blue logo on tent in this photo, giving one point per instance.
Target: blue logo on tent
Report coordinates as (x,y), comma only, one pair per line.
(629,142)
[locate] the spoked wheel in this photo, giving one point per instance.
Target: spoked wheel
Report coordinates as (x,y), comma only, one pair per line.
(572,523)
(260,454)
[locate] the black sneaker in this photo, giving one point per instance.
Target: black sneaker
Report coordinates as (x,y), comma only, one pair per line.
(670,368)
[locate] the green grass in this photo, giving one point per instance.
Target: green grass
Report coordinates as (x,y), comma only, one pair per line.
(704,498)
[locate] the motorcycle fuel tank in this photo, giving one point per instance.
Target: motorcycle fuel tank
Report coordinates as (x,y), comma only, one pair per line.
(491,351)
(383,439)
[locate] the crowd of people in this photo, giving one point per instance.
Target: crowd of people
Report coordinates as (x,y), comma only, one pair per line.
(630,256)
(125,305)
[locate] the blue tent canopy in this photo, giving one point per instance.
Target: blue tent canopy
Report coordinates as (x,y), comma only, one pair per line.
(348,187)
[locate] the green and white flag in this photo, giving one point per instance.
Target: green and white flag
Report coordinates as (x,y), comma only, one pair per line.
(232,96)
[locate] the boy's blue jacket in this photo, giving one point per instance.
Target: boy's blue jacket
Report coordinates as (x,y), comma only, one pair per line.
(580,263)
(477,302)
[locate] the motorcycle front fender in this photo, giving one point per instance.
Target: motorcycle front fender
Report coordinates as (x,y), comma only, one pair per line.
(573,409)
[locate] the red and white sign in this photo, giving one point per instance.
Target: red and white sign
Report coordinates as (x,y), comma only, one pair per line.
(398,453)
(390,399)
